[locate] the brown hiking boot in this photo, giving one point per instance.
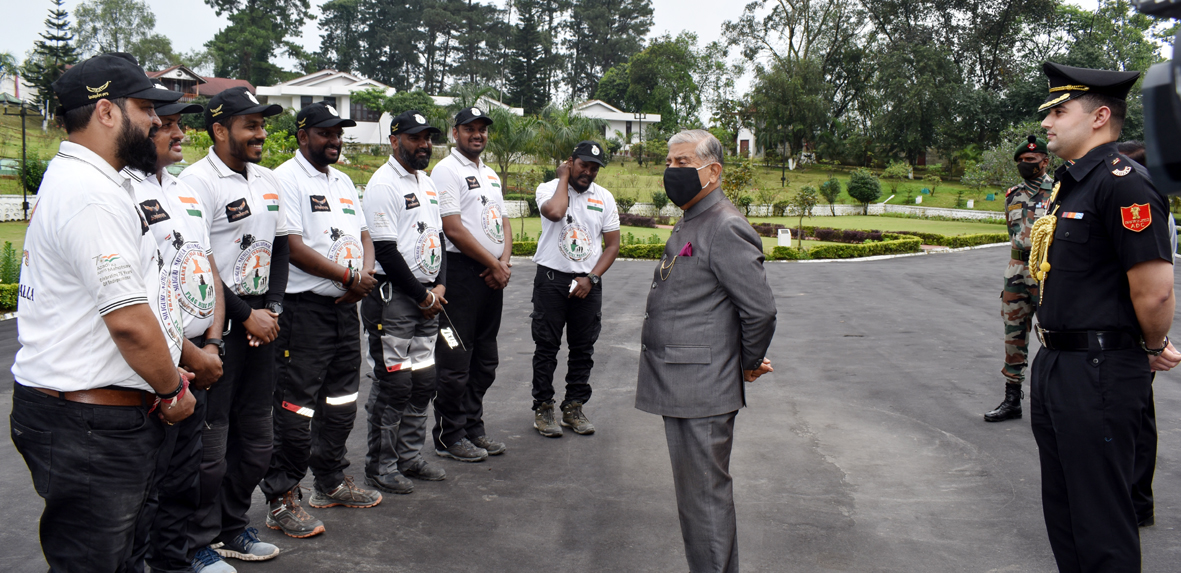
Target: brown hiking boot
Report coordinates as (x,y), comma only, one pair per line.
(573,418)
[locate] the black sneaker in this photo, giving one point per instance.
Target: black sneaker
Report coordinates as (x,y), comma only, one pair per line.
(247,547)
(346,494)
(464,451)
(424,471)
(493,447)
(287,515)
(393,483)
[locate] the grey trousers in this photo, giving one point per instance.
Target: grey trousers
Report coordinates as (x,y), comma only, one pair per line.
(700,452)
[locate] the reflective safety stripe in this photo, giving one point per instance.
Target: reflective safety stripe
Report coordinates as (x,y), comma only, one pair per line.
(424,364)
(300,409)
(341,399)
(398,366)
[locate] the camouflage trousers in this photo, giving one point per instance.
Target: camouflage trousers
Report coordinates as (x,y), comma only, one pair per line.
(1018,305)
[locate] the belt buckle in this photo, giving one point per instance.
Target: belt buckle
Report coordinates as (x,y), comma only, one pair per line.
(1040,337)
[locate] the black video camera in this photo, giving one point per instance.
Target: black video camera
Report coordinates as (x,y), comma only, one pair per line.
(1162,108)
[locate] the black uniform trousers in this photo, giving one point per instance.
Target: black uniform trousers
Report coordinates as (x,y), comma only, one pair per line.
(236,441)
(466,375)
(161,537)
(317,377)
(582,318)
(93,467)
(1088,409)
(1145,464)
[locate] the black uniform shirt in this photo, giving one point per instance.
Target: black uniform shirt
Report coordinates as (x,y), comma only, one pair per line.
(1110,218)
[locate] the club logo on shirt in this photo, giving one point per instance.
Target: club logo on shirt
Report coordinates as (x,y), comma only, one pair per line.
(111,269)
(154,211)
(473,182)
(192,278)
(428,251)
(1136,217)
(252,270)
(381,220)
(574,242)
(345,251)
(237,210)
(490,220)
(412,201)
(320,204)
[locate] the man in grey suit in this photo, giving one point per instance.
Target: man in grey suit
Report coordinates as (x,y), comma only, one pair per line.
(709,320)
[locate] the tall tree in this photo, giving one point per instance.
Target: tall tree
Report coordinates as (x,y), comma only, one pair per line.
(51,54)
(661,80)
(603,33)
(390,52)
(342,30)
(112,25)
(258,31)
(526,61)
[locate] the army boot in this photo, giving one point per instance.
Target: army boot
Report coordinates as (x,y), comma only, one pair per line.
(573,418)
(1010,409)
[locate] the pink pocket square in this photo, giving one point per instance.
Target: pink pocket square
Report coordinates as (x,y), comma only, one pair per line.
(686,251)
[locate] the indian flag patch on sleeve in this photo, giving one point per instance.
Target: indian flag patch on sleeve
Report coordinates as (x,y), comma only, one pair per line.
(190,205)
(346,205)
(272,197)
(594,205)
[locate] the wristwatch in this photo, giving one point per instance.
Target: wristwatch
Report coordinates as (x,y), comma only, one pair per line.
(1154,351)
(275,307)
(219,343)
(594,279)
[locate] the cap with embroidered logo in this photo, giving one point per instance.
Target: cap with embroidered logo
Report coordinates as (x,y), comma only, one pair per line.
(237,101)
(411,122)
(1031,145)
(591,152)
(107,76)
(470,114)
(1069,82)
(173,108)
(321,114)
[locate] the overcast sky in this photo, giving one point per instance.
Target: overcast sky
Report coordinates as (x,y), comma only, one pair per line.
(191,23)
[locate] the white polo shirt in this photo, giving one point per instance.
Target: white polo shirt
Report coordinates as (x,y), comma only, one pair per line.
(402,206)
(325,212)
(575,243)
(244,215)
(472,191)
(87,253)
(176,218)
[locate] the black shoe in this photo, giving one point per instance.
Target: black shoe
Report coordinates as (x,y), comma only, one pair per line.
(1146,521)
(464,451)
(424,471)
(393,483)
(1010,409)
(494,447)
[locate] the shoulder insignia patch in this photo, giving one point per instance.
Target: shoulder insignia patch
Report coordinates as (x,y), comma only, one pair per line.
(1136,217)
(1011,190)
(1121,172)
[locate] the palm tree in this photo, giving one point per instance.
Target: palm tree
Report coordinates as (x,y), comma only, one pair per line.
(560,130)
(510,138)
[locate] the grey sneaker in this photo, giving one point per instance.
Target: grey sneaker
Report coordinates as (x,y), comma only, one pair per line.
(573,418)
(346,494)
(494,447)
(424,471)
(543,420)
(247,547)
(288,516)
(206,561)
(464,451)
(393,483)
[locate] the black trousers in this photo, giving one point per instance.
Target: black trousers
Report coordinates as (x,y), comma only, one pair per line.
(465,375)
(582,318)
(93,467)
(236,441)
(317,375)
(161,537)
(1145,463)
(1088,409)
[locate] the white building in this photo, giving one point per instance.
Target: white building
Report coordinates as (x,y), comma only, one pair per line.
(628,124)
(746,144)
(25,90)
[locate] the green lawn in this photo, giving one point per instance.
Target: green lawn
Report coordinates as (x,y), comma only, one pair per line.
(13,231)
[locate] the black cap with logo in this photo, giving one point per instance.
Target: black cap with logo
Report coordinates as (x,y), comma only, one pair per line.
(468,115)
(173,108)
(320,114)
(1069,82)
(411,122)
(107,76)
(590,152)
(237,101)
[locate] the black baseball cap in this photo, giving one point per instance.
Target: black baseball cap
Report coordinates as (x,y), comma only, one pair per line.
(410,122)
(237,101)
(320,114)
(107,76)
(468,115)
(173,108)
(590,152)
(1069,82)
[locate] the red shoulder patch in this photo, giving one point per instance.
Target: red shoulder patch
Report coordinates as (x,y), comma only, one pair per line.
(1136,217)
(1012,189)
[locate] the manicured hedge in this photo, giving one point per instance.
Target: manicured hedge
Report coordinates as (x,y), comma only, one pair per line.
(787,254)
(641,251)
(958,241)
(629,220)
(910,245)
(8,293)
(524,248)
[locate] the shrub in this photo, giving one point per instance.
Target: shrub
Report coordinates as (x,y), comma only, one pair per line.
(909,245)
(825,234)
(830,190)
(787,254)
(641,251)
(864,187)
(737,178)
(624,204)
(10,265)
(32,171)
(524,248)
(933,180)
(744,203)
(779,209)
(894,173)
(8,294)
(629,220)
(659,201)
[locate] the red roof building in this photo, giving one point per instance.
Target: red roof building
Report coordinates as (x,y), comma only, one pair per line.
(182,79)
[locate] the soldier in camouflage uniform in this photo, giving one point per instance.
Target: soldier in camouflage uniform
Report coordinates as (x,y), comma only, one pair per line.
(1024,203)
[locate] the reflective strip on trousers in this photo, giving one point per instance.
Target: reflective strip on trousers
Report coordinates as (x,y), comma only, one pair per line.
(338,400)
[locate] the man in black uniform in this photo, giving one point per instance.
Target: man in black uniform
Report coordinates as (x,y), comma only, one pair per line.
(1103,257)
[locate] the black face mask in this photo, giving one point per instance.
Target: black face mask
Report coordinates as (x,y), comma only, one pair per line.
(1029,170)
(681,184)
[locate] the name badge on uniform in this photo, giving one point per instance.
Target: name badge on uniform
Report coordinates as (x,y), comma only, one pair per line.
(237,210)
(154,211)
(472,182)
(320,204)
(412,201)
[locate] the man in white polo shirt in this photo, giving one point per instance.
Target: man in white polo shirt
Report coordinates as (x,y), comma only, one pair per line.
(94,358)
(579,242)
(247,231)
(479,244)
(402,210)
(319,344)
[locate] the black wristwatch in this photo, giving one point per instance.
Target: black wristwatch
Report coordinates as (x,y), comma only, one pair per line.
(219,343)
(275,307)
(1154,351)
(594,279)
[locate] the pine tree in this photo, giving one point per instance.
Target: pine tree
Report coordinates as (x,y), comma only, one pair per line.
(51,55)
(525,82)
(603,33)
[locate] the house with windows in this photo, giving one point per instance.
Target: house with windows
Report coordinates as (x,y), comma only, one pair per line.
(182,79)
(630,126)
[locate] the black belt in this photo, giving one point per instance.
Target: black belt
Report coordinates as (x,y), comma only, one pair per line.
(1020,255)
(198,341)
(1081,339)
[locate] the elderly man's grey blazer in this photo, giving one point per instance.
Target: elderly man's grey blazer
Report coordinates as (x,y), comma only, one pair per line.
(709,316)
